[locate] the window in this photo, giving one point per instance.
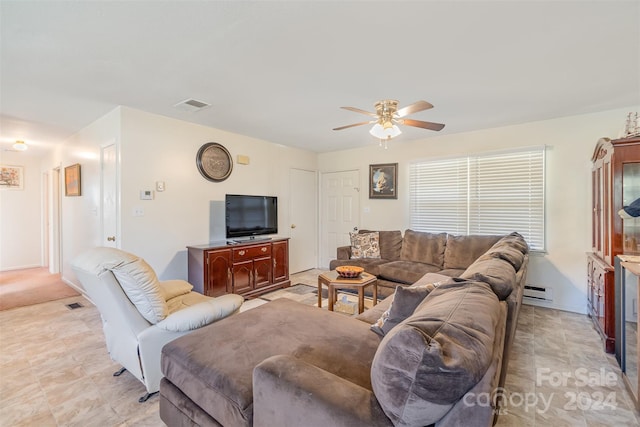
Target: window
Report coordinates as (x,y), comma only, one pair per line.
(484,194)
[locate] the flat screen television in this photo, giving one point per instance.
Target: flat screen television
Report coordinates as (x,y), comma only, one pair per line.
(248,216)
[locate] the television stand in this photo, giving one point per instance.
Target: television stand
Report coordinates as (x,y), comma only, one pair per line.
(248,268)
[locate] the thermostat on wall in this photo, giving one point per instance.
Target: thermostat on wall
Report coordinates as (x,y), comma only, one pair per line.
(146,195)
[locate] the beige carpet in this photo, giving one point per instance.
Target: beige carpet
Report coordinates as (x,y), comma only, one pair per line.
(20,288)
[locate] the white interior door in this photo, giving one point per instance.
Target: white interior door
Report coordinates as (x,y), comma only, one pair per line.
(340,211)
(303,230)
(55,242)
(110,196)
(46,229)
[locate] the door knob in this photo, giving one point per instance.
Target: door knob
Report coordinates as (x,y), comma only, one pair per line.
(111,239)
(293,226)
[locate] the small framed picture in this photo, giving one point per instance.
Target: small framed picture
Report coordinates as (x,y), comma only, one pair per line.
(72,180)
(11,177)
(383,181)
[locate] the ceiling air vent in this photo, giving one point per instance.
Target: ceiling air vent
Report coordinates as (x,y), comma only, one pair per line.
(191,105)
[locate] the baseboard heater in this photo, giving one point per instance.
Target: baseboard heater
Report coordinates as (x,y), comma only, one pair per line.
(538,293)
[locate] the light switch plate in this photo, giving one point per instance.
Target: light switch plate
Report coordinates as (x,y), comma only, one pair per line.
(160,186)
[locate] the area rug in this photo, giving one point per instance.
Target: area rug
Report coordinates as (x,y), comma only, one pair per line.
(20,288)
(346,302)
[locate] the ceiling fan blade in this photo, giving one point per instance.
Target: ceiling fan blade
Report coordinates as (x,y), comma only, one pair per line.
(413,108)
(421,124)
(355,124)
(358,110)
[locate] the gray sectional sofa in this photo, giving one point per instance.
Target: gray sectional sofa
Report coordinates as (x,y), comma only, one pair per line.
(289,364)
(404,260)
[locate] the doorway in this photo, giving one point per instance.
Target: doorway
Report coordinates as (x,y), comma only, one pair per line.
(109,179)
(54,223)
(340,207)
(303,212)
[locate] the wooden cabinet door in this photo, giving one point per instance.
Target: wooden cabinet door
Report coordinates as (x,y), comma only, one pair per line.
(600,298)
(242,276)
(218,274)
(261,272)
(590,285)
(280,261)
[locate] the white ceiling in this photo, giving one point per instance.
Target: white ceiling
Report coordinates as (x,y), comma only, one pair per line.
(279,71)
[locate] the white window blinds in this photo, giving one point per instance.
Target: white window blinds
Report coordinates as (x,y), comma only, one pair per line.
(484,194)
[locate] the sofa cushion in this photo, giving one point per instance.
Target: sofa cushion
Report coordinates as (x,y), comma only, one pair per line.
(508,253)
(405,301)
(426,248)
(452,272)
(498,273)
(405,271)
(390,244)
(517,241)
(140,283)
(461,251)
(365,245)
(424,365)
(174,288)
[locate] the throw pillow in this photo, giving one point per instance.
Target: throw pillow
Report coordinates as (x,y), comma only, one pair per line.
(365,245)
(405,301)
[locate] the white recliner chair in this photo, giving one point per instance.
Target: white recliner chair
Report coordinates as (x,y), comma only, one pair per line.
(140,314)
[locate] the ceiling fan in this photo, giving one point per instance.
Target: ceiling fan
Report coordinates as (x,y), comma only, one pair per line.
(388,117)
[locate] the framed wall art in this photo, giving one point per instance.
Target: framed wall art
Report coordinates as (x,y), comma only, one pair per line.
(11,177)
(383,181)
(72,184)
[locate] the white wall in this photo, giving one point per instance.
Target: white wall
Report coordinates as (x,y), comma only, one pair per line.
(81,225)
(20,213)
(156,148)
(570,142)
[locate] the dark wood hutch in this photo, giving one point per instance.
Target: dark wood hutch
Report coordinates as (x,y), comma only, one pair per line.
(613,160)
(249,269)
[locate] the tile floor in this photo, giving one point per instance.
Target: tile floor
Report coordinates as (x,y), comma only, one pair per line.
(55,371)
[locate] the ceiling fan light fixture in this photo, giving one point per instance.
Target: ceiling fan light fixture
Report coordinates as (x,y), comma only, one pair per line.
(386,131)
(20,146)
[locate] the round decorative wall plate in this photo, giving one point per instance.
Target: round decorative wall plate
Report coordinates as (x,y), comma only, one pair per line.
(214,162)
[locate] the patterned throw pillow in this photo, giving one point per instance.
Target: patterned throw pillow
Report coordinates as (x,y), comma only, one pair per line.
(365,245)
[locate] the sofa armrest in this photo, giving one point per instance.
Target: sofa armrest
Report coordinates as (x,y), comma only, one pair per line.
(344,252)
(311,396)
(201,314)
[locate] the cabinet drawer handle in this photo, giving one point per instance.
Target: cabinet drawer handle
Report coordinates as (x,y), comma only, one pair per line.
(264,249)
(241,253)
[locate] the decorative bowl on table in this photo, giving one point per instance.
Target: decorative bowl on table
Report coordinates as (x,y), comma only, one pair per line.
(349,271)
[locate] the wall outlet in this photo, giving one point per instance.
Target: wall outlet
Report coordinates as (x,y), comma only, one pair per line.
(138,211)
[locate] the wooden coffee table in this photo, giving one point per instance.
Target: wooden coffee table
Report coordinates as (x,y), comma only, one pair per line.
(333,282)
